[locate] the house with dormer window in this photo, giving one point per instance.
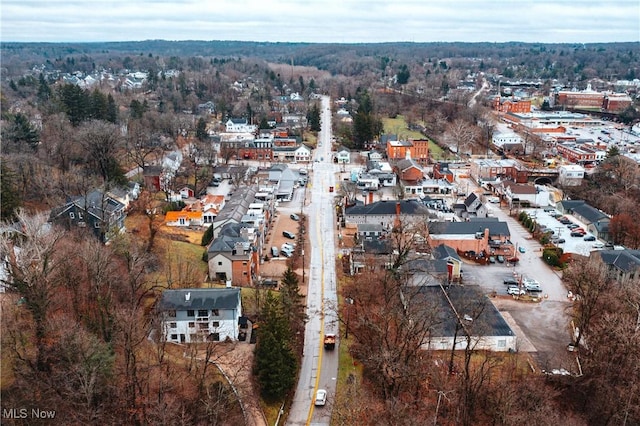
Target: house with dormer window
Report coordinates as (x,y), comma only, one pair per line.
(191,315)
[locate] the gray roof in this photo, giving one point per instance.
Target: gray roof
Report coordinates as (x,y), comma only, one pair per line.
(238,205)
(407,163)
(98,204)
(388,207)
(443,251)
(471,198)
(467,228)
(370,227)
(467,300)
(200,298)
(623,260)
(592,214)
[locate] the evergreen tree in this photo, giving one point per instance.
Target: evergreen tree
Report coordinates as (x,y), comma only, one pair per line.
(613,151)
(9,194)
(264,124)
(19,134)
(403,75)
(44,91)
(275,363)
(74,102)
(112,110)
(201,130)
(292,303)
(313,118)
(98,105)
(207,236)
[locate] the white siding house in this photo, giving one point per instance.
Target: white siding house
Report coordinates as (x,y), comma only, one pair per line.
(196,315)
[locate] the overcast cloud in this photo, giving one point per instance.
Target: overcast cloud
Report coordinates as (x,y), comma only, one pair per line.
(341,21)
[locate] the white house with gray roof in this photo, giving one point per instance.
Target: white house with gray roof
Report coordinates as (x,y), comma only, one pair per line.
(200,314)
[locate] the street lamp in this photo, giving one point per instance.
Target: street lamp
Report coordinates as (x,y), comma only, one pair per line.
(303,266)
(349,301)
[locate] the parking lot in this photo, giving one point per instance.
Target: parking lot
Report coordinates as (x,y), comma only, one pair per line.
(572,244)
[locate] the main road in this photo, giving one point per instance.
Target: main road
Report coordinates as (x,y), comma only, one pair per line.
(319,367)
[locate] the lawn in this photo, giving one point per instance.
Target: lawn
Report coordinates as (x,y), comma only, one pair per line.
(399,127)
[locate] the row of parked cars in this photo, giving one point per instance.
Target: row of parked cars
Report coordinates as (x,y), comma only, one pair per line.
(286,250)
(519,288)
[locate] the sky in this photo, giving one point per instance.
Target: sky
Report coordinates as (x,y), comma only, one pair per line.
(322,21)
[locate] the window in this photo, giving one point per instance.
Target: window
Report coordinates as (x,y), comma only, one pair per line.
(219,263)
(502,343)
(244,263)
(215,312)
(190,313)
(173,325)
(203,326)
(215,337)
(72,215)
(203,312)
(96,224)
(174,337)
(171,313)
(215,324)
(192,324)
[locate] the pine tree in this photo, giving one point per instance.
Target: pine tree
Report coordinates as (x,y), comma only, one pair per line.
(292,302)
(9,194)
(201,130)
(112,110)
(275,363)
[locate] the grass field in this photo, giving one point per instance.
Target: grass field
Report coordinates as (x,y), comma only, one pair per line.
(398,126)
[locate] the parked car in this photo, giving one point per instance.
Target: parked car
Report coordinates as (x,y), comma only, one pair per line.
(573,226)
(274,251)
(321,397)
(558,241)
(516,291)
(492,259)
(510,281)
(295,217)
(589,238)
(288,246)
(598,245)
(532,285)
(286,253)
(577,234)
(500,258)
(289,235)
(522,249)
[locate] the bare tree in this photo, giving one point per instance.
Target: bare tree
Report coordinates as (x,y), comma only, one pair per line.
(462,134)
(101,141)
(30,248)
(589,280)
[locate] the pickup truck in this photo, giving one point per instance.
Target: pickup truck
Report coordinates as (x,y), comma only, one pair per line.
(329,341)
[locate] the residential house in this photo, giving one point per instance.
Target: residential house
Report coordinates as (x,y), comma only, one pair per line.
(448,254)
(152,177)
(187,191)
(623,264)
(570,175)
(240,125)
(467,319)
(441,171)
(234,255)
(302,154)
(125,194)
(409,171)
(184,218)
(96,211)
(522,194)
(343,155)
(191,315)
(370,231)
(479,235)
